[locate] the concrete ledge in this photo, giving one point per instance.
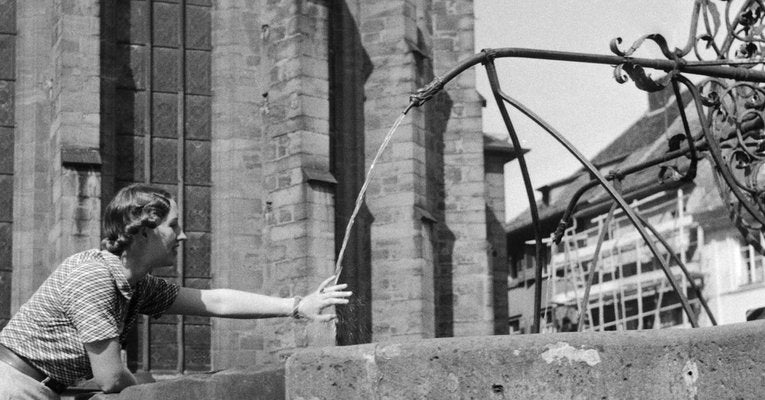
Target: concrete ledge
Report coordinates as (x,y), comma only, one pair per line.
(706,363)
(239,383)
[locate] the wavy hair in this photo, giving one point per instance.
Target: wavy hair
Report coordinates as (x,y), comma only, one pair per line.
(133,207)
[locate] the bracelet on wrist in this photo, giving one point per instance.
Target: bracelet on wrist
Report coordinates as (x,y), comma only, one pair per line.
(295,313)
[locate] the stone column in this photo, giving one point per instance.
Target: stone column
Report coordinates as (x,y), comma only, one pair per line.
(271,198)
(299,229)
(75,128)
(238,205)
(402,247)
(497,153)
(56,207)
(32,153)
(464,243)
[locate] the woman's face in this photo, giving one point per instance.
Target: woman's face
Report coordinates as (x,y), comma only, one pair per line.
(164,240)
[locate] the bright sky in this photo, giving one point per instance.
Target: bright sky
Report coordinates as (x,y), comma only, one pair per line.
(581,101)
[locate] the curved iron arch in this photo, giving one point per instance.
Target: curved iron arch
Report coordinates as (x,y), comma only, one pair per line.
(730,106)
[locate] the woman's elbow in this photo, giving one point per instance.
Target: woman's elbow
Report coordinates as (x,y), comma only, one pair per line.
(114,383)
(214,303)
(109,385)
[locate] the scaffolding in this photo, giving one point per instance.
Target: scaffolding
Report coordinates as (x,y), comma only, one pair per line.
(630,290)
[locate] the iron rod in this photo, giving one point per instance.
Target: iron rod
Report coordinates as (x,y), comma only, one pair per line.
(711,68)
(494,81)
(752,124)
(593,268)
(682,266)
(691,172)
(627,171)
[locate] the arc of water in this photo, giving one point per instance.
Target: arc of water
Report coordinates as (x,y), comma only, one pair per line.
(363,190)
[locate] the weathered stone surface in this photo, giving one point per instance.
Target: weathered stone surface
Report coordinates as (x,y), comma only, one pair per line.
(705,363)
(268,70)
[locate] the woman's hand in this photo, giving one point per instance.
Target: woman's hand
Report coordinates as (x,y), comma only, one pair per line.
(312,305)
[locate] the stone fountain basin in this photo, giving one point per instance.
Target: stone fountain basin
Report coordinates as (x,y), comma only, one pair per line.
(726,362)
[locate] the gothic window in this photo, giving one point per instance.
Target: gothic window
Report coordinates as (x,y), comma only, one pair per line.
(160,110)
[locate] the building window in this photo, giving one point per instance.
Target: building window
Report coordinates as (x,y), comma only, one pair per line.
(514,324)
(523,265)
(752,265)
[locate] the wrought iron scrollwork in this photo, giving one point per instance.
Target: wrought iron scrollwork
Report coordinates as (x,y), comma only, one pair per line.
(736,115)
(734,111)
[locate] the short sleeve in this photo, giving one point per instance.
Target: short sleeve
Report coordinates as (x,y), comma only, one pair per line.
(157,296)
(89,301)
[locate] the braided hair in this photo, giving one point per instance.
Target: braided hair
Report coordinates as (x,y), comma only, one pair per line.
(133,207)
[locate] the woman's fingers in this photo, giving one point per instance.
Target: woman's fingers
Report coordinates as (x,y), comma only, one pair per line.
(324,297)
(322,286)
(335,288)
(338,294)
(332,301)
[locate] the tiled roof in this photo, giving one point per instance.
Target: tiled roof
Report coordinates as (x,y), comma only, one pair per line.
(494,145)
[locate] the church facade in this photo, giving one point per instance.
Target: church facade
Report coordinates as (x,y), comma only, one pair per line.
(261,117)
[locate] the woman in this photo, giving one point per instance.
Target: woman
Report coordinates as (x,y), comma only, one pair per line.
(74,326)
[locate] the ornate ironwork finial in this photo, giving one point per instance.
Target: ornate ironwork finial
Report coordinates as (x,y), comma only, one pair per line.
(426,93)
(732,111)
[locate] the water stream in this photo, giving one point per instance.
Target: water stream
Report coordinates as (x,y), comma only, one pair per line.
(360,197)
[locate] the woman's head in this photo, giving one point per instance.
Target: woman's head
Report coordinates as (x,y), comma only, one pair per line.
(134,207)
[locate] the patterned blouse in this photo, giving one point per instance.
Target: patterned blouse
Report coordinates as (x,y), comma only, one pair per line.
(86,299)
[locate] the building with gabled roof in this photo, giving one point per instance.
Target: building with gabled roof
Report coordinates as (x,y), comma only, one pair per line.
(630,290)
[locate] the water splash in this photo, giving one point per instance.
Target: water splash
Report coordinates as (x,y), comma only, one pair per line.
(360,197)
(354,332)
